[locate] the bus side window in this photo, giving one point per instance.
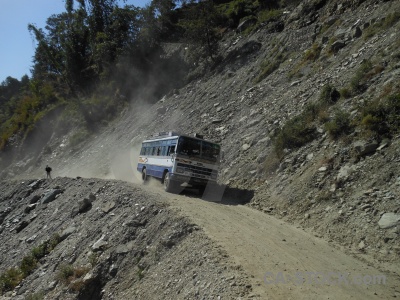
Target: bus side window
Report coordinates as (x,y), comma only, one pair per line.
(158,151)
(164,151)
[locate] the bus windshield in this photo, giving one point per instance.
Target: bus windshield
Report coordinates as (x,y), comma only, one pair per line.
(198,148)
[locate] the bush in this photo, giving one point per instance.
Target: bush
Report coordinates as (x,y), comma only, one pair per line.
(358,82)
(313,53)
(270,65)
(339,125)
(329,95)
(382,118)
(65,273)
(295,133)
(35,296)
(28,264)
(10,279)
(268,15)
(382,24)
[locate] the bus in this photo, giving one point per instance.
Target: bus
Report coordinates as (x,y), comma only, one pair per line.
(179,161)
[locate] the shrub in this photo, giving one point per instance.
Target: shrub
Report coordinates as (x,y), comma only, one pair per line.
(65,273)
(358,82)
(35,296)
(329,95)
(295,133)
(339,125)
(140,272)
(382,24)
(270,65)
(313,53)
(382,118)
(28,264)
(268,15)
(10,279)
(345,93)
(69,274)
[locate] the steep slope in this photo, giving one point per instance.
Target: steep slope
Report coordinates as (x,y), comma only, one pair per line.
(334,187)
(95,239)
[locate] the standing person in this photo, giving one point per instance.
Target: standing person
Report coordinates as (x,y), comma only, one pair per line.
(48,171)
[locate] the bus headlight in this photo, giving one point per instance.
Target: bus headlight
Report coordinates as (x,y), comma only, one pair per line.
(179,170)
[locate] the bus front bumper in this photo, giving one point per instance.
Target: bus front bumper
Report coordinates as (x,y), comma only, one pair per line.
(191,181)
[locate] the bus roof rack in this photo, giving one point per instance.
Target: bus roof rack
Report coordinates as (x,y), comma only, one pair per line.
(199,136)
(165,134)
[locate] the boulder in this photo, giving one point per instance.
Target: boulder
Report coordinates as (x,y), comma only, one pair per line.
(356,32)
(336,46)
(34,199)
(246,24)
(84,205)
(365,148)
(389,220)
(67,232)
(50,196)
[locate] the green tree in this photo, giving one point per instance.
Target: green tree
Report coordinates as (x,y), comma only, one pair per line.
(200,24)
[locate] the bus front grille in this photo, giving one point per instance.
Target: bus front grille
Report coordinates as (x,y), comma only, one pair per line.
(195,170)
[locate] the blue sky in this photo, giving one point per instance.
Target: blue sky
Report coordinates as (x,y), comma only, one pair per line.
(17,47)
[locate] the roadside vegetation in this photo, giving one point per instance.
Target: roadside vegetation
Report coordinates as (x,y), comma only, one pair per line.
(13,276)
(92,60)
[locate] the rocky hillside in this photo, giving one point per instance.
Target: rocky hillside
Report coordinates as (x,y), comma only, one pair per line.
(95,239)
(295,105)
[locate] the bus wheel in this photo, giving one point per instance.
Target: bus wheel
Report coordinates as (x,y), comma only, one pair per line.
(169,186)
(144,175)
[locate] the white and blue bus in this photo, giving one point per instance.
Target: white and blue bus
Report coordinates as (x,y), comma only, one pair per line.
(179,161)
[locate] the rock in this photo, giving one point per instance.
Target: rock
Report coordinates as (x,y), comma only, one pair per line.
(389,220)
(344,173)
(113,270)
(246,147)
(84,205)
(384,144)
(34,185)
(22,225)
(265,141)
(161,110)
(336,46)
(51,286)
(34,199)
(363,148)
(361,245)
(245,24)
(356,32)
(67,232)
(100,245)
(125,248)
(92,197)
(50,196)
(322,169)
(29,208)
(109,206)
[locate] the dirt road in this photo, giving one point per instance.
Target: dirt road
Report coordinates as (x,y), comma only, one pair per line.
(284,262)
